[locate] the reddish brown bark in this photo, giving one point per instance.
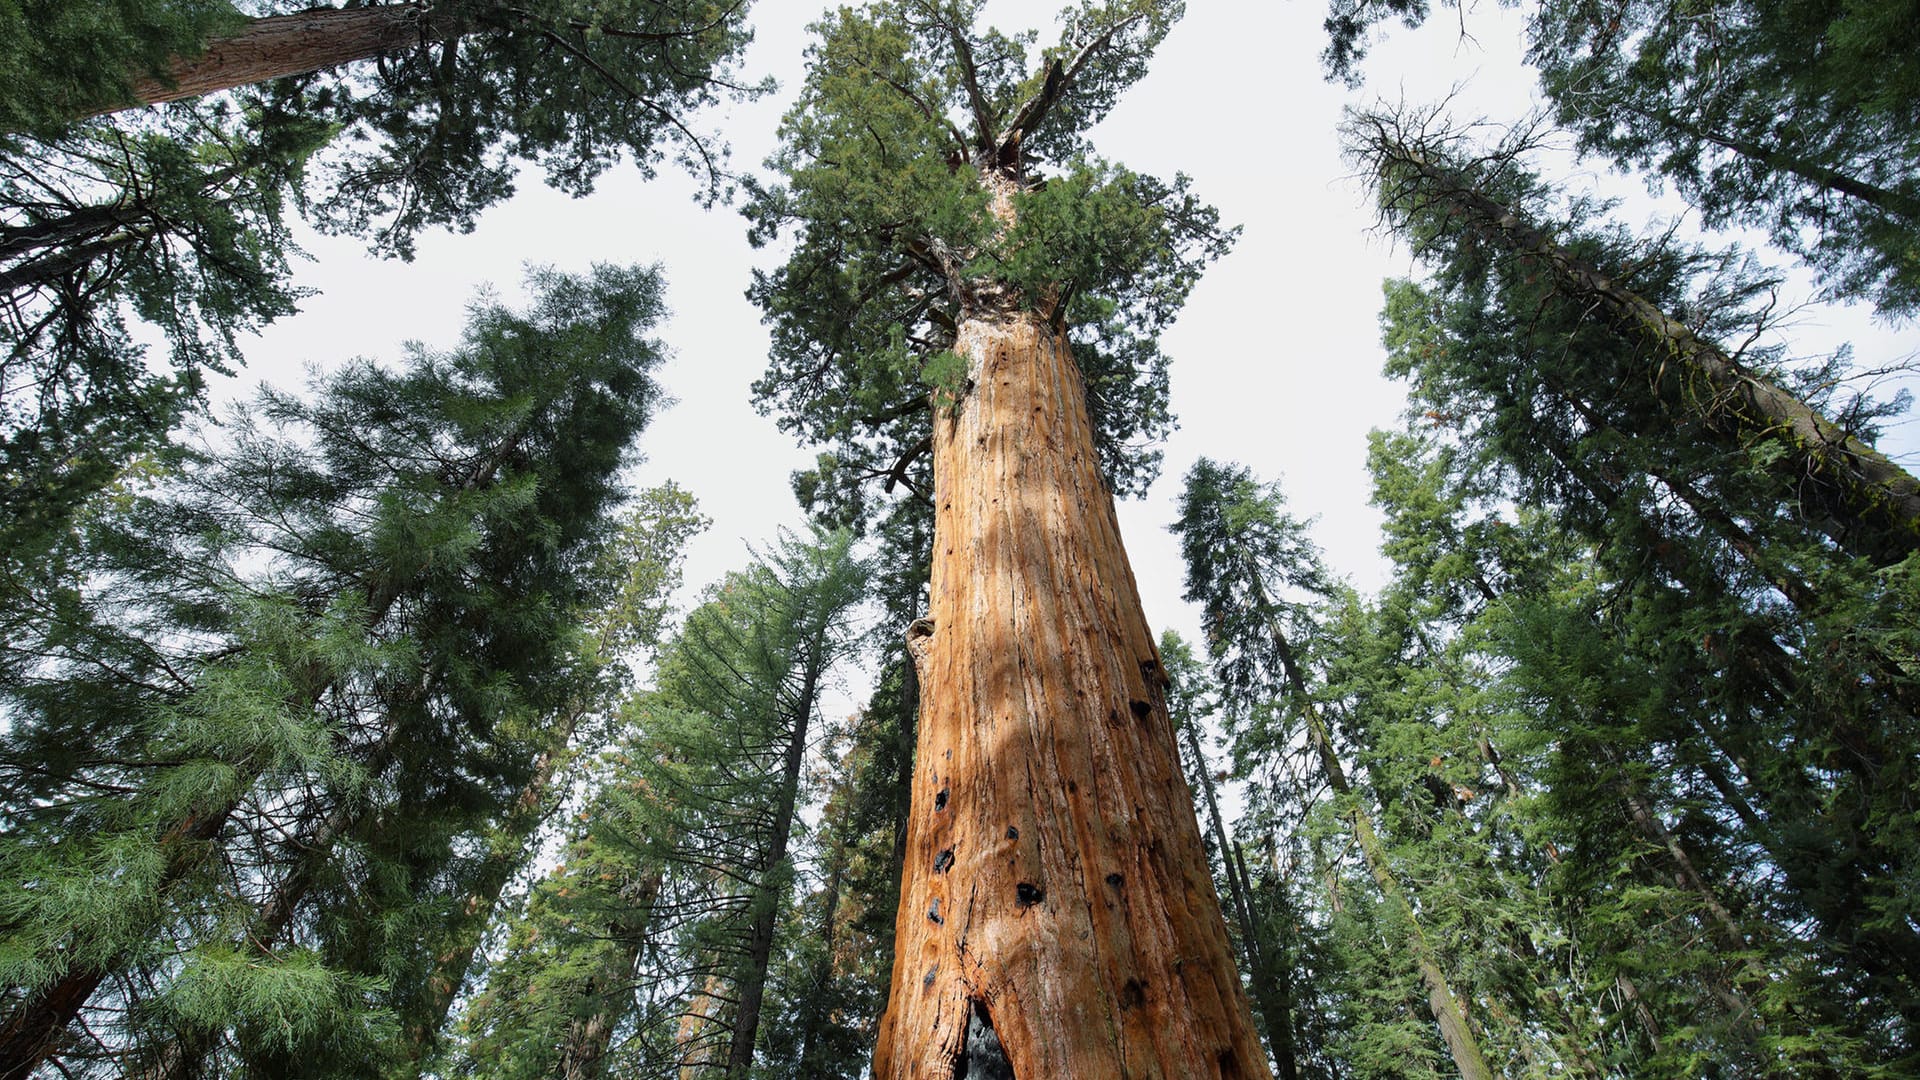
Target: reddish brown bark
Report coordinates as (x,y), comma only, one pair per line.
(1056,899)
(278,46)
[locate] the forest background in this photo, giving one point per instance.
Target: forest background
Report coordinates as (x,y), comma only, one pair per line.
(1278,361)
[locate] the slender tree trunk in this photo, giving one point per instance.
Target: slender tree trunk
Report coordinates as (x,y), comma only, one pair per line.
(504,859)
(1448,1013)
(813,1014)
(583,1049)
(1057,918)
(278,46)
(1883,199)
(50,268)
(1279,967)
(86,221)
(752,989)
(1270,995)
(1874,503)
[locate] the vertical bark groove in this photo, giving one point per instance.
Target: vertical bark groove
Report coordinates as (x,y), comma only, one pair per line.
(277,46)
(1038,772)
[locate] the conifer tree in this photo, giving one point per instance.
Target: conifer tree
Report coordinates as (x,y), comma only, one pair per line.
(699,806)
(1241,550)
(136,248)
(1263,944)
(264,701)
(1667,658)
(1794,117)
(970,285)
(1449,201)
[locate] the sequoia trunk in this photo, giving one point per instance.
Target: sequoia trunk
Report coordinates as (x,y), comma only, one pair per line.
(278,46)
(1056,917)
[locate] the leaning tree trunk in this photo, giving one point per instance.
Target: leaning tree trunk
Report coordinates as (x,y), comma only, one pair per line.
(1449,1012)
(1057,917)
(279,46)
(767,898)
(1874,504)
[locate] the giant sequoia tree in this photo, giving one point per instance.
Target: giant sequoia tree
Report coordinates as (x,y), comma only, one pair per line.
(968,279)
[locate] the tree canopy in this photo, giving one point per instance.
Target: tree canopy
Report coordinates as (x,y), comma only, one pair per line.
(933,170)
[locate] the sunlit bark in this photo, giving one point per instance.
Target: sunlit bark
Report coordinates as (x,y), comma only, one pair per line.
(1057,917)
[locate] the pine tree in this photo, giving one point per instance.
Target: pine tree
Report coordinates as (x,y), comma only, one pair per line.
(136,249)
(700,804)
(1670,653)
(1448,200)
(642,564)
(1241,550)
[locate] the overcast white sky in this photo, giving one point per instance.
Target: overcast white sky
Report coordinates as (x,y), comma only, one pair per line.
(1276,357)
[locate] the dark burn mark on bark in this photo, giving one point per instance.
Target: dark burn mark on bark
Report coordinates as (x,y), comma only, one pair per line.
(1116,880)
(982,1057)
(1230,1066)
(1027,894)
(933,913)
(1141,709)
(1133,995)
(940,801)
(942,861)
(927,982)
(1013,833)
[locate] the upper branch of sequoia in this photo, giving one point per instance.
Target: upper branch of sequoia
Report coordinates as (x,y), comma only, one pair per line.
(934,171)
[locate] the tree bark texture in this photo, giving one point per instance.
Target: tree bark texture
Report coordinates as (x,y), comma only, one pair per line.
(278,46)
(1057,918)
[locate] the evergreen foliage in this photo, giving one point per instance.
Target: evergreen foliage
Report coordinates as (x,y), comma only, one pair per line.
(137,248)
(912,122)
(274,697)
(1632,795)
(1798,118)
(324,744)
(647,950)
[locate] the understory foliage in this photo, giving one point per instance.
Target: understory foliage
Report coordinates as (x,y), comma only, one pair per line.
(689,893)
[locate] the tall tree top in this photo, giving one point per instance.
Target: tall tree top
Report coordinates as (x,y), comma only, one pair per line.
(934,171)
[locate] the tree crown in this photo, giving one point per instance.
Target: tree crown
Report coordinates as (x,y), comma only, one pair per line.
(933,171)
